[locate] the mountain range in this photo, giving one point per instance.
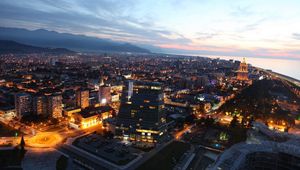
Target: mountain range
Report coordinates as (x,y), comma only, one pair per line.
(12,47)
(79,43)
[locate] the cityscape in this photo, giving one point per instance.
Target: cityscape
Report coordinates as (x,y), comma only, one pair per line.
(127,95)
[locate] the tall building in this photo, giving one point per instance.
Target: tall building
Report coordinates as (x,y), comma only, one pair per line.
(82,98)
(23,105)
(242,73)
(141,117)
(54,105)
(104,94)
(39,105)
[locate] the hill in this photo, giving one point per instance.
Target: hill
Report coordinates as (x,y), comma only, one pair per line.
(45,38)
(12,47)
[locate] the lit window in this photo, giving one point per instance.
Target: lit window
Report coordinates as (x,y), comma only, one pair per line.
(132,114)
(103,101)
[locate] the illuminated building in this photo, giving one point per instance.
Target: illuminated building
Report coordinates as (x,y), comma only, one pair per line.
(104,95)
(115,97)
(23,104)
(70,111)
(242,73)
(55,105)
(89,117)
(82,98)
(264,149)
(8,111)
(141,117)
(282,127)
(39,105)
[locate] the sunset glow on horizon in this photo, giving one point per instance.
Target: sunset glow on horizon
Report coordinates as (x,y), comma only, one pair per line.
(250,28)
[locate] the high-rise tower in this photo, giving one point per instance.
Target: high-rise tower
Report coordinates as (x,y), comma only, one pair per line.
(55,105)
(82,98)
(23,103)
(141,116)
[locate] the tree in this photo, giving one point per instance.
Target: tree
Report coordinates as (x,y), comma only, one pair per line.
(244,122)
(22,143)
(22,148)
(251,121)
(234,122)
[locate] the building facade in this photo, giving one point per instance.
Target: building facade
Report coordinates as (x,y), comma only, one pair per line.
(104,95)
(89,117)
(39,105)
(55,105)
(82,98)
(242,73)
(23,103)
(141,117)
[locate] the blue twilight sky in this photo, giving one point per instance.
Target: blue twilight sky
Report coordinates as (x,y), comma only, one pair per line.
(260,28)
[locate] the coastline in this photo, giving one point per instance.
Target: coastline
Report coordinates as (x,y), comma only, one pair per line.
(288,69)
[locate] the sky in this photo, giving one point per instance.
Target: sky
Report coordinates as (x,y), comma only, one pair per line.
(251,28)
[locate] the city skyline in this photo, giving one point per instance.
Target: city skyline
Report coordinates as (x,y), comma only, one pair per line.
(266,29)
(143,85)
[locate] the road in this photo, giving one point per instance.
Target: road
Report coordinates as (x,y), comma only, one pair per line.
(178,135)
(280,76)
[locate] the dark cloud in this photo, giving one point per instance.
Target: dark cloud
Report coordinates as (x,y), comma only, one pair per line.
(88,17)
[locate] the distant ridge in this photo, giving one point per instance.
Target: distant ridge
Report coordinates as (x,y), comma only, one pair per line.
(12,47)
(80,43)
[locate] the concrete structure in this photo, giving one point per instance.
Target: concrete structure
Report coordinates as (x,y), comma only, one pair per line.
(267,155)
(82,98)
(90,117)
(39,105)
(8,112)
(283,152)
(242,73)
(141,117)
(23,104)
(104,95)
(55,105)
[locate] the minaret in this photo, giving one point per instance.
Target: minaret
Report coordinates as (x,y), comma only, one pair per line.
(242,73)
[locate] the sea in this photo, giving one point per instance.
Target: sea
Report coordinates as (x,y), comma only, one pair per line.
(286,67)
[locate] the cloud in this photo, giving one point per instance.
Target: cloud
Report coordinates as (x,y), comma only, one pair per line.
(98,18)
(242,11)
(296,36)
(204,36)
(229,28)
(254,25)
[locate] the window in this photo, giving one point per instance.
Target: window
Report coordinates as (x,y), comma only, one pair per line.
(132,114)
(152,107)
